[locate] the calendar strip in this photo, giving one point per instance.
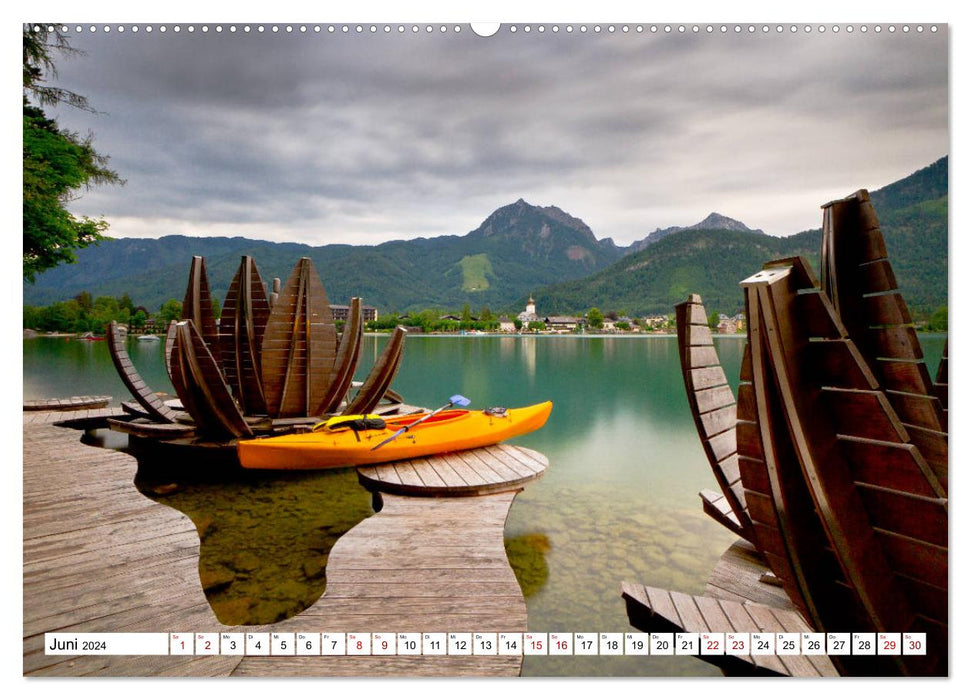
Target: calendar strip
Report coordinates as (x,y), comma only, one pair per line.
(485,644)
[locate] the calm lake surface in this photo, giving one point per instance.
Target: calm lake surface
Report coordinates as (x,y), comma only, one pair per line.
(619,501)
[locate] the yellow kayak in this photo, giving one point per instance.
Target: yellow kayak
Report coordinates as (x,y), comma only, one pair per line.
(353,443)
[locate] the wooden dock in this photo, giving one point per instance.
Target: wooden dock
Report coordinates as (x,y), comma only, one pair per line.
(494,469)
(100,557)
(737,599)
(73,403)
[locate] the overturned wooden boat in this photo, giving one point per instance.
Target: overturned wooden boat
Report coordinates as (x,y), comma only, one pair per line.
(859,280)
(353,443)
(713,408)
(147,399)
(857,528)
(272,363)
(841,443)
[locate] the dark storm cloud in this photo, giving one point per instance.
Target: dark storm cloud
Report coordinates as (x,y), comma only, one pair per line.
(362,138)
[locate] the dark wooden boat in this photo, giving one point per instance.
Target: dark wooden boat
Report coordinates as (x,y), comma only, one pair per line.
(200,386)
(345,363)
(838,462)
(713,408)
(842,451)
(133,381)
(940,382)
(858,278)
(197,304)
(169,344)
(241,329)
(299,345)
(379,380)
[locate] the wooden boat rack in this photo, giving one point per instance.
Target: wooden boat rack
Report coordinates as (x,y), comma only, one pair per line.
(832,464)
(267,360)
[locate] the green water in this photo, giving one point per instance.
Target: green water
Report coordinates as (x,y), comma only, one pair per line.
(619,501)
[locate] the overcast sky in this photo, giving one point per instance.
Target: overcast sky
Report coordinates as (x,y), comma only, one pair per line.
(361,138)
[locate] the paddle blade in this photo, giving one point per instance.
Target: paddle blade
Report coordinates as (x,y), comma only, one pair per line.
(459,400)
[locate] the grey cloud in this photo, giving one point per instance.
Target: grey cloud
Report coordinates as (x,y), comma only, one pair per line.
(365,138)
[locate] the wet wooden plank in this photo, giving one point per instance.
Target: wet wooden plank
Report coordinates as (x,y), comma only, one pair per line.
(839,362)
(876,276)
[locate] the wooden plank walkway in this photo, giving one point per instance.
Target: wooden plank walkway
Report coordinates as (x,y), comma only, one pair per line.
(735,599)
(100,557)
(485,470)
(659,610)
(420,565)
(737,576)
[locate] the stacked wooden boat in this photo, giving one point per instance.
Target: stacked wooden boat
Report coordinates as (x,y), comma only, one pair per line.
(271,362)
(832,465)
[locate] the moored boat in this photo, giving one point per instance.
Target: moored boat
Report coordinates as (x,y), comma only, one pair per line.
(346,444)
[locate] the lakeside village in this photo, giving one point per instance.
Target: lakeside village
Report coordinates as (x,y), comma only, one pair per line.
(87,317)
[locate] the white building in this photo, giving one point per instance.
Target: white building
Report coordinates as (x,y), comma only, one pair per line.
(529,314)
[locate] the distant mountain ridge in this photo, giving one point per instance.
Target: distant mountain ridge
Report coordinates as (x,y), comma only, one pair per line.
(522,249)
(712,222)
(516,248)
(712,261)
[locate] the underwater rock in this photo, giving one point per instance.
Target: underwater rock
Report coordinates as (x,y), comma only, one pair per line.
(246,561)
(164,489)
(314,568)
(216,578)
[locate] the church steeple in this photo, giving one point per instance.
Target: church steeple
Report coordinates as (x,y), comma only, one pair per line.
(531,305)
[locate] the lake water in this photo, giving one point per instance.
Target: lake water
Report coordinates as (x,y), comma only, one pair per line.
(619,501)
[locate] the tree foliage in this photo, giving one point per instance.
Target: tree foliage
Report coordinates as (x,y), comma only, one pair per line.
(938,320)
(171,311)
(80,314)
(57,164)
(595,318)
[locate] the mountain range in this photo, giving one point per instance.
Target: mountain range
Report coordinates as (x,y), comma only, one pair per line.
(522,249)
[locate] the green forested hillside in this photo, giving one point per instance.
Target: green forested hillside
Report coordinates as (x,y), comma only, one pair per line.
(913,218)
(706,262)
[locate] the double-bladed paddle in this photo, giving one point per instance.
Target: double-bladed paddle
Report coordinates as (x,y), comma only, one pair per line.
(457,400)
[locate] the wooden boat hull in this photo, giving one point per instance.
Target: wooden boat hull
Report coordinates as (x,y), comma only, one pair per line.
(449,431)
